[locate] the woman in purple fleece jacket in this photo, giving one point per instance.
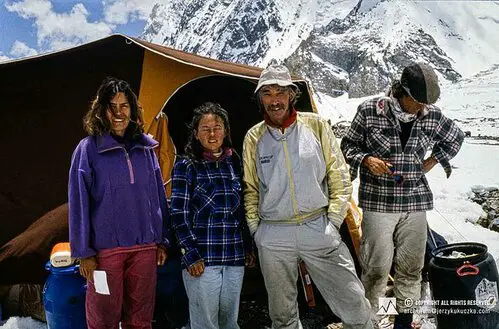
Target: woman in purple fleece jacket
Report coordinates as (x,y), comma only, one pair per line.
(117,209)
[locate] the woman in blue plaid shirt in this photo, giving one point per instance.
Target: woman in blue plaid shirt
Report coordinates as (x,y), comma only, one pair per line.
(208,220)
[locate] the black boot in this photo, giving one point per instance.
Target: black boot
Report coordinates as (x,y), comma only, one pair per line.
(403,321)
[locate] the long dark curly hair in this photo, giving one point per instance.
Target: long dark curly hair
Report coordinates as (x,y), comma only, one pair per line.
(193,149)
(95,121)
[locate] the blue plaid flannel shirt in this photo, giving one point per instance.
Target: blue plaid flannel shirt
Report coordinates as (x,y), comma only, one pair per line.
(207,211)
(376,132)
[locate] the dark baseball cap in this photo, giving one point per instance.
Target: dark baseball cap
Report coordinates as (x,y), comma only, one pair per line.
(421,83)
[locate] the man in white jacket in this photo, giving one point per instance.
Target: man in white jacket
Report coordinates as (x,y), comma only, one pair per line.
(297,189)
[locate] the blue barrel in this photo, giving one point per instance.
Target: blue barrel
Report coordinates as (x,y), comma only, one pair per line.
(64,298)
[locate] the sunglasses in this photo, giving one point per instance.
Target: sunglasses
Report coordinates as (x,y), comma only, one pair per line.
(399,179)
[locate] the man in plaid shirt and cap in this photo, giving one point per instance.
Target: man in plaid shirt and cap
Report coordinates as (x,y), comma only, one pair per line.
(388,141)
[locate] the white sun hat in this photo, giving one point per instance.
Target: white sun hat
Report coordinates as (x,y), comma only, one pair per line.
(275,74)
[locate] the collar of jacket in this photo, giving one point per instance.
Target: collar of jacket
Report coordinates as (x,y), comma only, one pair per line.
(383,108)
(106,142)
(286,123)
(226,152)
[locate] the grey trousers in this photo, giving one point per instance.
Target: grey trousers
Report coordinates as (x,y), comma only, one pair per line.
(318,244)
(398,238)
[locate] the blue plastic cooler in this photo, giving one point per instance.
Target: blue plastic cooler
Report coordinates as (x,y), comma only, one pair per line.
(64,298)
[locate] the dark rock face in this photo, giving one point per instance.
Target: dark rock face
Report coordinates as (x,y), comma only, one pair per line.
(248,31)
(489,200)
(317,68)
(241,35)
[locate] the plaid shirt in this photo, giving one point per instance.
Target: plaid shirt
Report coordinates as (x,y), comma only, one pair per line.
(207,211)
(376,132)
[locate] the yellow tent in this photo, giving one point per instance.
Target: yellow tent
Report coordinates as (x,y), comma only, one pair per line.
(43,101)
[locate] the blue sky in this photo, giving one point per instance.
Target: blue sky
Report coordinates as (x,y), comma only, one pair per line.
(30,27)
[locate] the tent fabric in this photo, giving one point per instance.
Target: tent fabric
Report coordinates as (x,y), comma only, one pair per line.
(166,149)
(161,78)
(169,69)
(43,102)
(22,259)
(215,66)
(353,220)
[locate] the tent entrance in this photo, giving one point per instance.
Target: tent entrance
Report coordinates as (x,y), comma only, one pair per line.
(234,94)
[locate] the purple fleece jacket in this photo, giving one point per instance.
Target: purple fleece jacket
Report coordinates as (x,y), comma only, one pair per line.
(116,198)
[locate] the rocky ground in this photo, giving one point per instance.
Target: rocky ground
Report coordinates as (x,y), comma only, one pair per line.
(253,314)
(488,198)
(340,128)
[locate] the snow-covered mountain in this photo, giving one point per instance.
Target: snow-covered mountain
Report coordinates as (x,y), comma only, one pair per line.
(378,38)
(354,46)
(244,31)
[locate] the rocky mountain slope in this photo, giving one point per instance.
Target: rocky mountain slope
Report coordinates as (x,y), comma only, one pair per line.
(341,46)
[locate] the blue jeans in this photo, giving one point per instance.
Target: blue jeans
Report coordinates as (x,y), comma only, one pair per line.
(214,297)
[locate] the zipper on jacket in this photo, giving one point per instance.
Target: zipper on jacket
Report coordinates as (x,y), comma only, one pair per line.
(130,168)
(291,183)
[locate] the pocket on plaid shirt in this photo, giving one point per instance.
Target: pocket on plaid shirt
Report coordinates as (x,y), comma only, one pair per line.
(378,142)
(215,205)
(205,193)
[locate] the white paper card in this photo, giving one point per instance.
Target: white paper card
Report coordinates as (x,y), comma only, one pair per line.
(100,283)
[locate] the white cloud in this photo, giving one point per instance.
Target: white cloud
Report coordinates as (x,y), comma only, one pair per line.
(123,11)
(30,8)
(56,30)
(4,58)
(60,30)
(20,49)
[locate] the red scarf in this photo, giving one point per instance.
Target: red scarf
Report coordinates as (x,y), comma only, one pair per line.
(286,123)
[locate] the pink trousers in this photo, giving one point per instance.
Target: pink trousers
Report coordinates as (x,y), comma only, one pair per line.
(131,277)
